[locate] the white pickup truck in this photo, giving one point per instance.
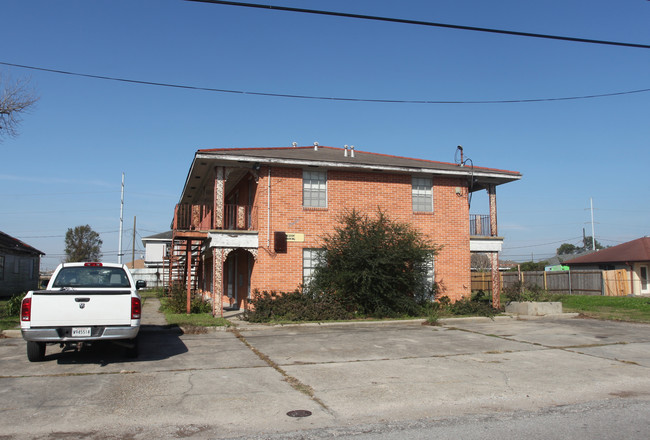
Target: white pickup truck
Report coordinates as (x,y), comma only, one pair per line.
(84,303)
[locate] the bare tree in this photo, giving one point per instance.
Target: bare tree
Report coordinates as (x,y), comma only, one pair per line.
(16,97)
(481,262)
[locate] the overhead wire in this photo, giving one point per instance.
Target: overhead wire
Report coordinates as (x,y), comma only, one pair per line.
(425,23)
(325,98)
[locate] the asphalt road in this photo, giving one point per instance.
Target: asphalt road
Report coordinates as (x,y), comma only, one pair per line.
(371,381)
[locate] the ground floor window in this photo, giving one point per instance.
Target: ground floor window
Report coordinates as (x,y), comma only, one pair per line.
(430,277)
(311,258)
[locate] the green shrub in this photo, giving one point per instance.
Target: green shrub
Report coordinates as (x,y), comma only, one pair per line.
(176,301)
(295,306)
(375,266)
(526,292)
(12,307)
(472,306)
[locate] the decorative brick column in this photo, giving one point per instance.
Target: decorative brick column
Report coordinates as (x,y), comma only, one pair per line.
(219,196)
(496,280)
(217,281)
(494,256)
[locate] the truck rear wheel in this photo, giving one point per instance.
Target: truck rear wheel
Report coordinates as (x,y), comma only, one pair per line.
(35,351)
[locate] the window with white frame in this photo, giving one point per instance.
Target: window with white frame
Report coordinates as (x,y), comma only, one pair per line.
(430,277)
(422,194)
(311,258)
(314,189)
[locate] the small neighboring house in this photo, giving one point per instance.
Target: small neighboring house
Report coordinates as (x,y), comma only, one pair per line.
(253,218)
(156,248)
(151,269)
(19,266)
(632,256)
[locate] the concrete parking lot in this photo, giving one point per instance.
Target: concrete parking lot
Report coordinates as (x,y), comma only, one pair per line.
(242,383)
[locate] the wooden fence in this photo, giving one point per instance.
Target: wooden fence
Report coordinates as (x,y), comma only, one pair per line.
(587,282)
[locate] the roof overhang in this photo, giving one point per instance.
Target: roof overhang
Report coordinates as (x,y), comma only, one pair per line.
(205,161)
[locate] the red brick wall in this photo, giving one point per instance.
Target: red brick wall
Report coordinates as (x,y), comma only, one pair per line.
(447,226)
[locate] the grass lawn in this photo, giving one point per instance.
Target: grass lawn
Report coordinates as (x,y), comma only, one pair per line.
(195,319)
(618,308)
(191,320)
(7,322)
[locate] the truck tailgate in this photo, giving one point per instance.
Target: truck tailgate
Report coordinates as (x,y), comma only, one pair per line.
(79,307)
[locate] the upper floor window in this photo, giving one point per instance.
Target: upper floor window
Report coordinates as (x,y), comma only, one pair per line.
(314,189)
(422,194)
(2,267)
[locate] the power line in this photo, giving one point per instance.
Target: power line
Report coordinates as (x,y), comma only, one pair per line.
(425,23)
(540,244)
(326,98)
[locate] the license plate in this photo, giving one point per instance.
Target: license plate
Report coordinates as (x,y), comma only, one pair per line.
(81,331)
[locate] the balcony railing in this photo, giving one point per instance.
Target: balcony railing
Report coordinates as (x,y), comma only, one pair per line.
(240,217)
(193,217)
(201,217)
(479,225)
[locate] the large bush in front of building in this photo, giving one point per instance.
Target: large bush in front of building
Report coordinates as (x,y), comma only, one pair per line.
(375,266)
(295,306)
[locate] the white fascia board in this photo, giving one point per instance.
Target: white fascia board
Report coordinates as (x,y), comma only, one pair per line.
(233,240)
(485,244)
(466,172)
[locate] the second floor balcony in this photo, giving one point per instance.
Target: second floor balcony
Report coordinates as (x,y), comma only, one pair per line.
(479,225)
(189,217)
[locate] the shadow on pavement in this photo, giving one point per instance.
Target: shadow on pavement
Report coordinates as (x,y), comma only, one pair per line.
(155,343)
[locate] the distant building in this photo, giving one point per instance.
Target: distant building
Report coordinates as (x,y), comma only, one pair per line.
(19,266)
(632,256)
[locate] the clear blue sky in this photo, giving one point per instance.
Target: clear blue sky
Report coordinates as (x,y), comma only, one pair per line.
(65,167)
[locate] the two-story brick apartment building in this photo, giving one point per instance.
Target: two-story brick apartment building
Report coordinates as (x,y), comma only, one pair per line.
(253,218)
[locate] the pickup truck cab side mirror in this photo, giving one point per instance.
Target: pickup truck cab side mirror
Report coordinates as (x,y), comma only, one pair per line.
(140,284)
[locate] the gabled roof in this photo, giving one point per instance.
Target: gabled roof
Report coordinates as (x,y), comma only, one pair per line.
(157,237)
(11,244)
(335,158)
(631,251)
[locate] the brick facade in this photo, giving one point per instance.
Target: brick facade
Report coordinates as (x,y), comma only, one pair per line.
(447,226)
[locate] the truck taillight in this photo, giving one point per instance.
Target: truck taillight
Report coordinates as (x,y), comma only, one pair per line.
(136,308)
(26,310)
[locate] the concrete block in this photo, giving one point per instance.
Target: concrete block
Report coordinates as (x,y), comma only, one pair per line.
(534,308)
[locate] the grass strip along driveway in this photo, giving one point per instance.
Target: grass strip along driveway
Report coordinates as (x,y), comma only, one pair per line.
(632,309)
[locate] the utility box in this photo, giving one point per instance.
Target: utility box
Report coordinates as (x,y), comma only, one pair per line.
(280,242)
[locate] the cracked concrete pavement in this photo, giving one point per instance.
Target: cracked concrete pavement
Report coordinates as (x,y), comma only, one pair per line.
(231,384)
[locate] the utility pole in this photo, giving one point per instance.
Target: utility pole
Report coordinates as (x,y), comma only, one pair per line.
(133,247)
(119,242)
(593,234)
